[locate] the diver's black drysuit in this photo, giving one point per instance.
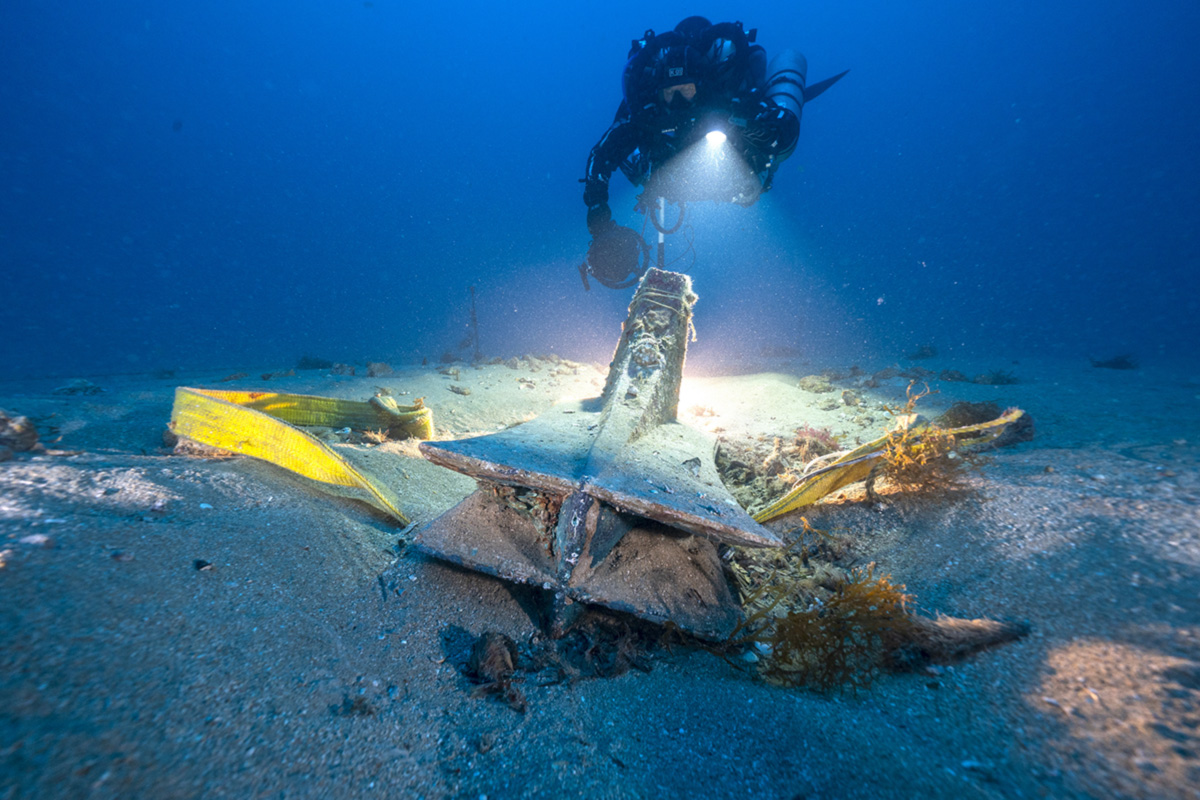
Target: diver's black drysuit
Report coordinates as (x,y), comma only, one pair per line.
(733,94)
(730,89)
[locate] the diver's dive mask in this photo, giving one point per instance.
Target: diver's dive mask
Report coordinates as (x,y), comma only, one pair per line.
(679,96)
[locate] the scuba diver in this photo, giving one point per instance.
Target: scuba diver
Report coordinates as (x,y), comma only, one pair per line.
(699,85)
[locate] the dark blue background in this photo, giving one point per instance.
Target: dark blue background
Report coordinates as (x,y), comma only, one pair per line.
(1016,179)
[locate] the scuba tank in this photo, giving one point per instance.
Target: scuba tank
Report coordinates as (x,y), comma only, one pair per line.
(785,80)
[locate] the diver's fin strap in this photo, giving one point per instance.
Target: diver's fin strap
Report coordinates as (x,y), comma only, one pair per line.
(256,424)
(856,465)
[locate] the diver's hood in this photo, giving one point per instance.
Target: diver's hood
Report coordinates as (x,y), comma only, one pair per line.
(679,63)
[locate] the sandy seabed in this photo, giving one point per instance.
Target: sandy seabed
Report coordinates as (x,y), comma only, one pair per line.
(315,657)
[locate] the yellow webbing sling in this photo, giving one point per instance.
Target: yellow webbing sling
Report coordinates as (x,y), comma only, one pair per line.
(855,465)
(257,424)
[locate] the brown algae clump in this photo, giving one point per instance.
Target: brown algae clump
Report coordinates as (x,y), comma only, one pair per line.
(920,456)
(816,627)
(844,641)
(924,459)
(813,626)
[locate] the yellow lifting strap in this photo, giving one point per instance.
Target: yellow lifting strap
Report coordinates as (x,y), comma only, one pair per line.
(257,424)
(855,465)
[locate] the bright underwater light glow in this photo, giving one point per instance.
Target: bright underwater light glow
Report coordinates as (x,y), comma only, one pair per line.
(715,138)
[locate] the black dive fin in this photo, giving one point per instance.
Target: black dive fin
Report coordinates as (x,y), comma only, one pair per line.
(812,92)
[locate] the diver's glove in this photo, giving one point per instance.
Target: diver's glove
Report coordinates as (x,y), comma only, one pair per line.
(595,192)
(773,130)
(599,220)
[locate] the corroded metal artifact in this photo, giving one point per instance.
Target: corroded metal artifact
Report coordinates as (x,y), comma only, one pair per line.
(609,500)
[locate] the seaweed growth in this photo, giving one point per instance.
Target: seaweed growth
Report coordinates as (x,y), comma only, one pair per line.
(831,640)
(754,475)
(810,443)
(921,456)
(843,642)
(811,624)
(926,459)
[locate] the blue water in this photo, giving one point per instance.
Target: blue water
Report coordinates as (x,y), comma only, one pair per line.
(219,184)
